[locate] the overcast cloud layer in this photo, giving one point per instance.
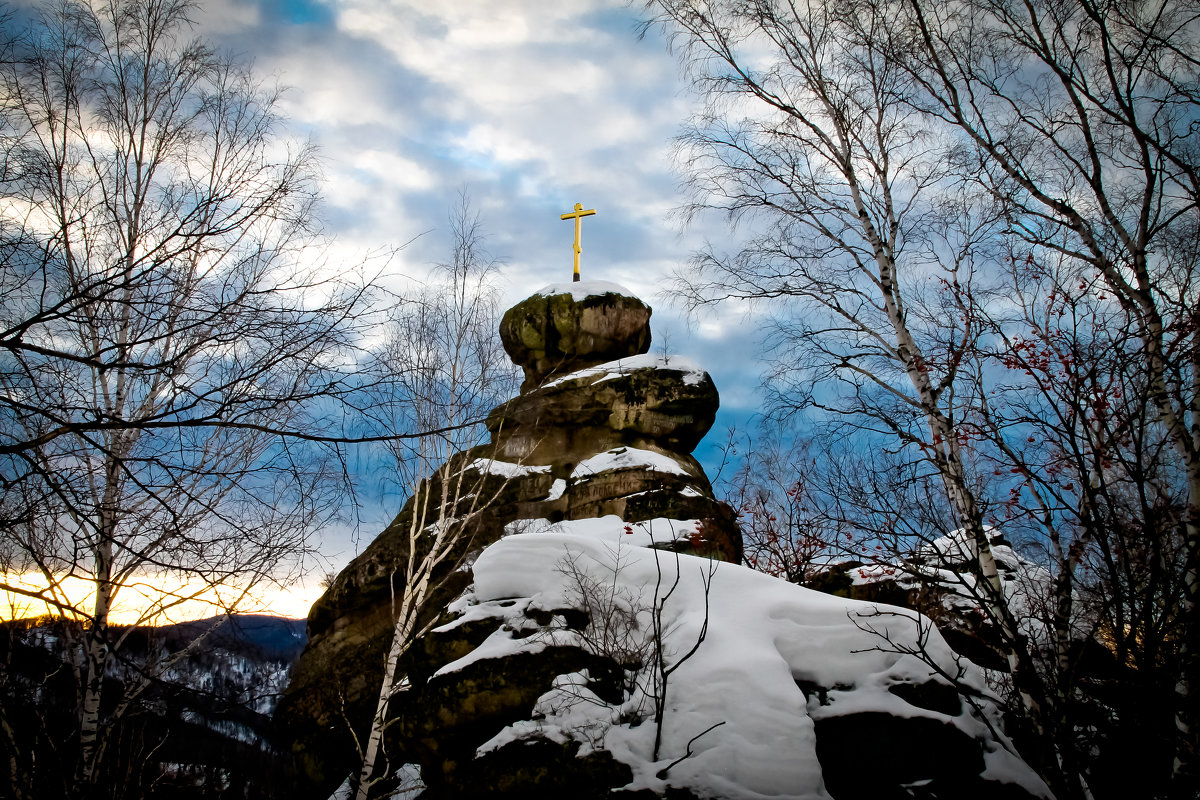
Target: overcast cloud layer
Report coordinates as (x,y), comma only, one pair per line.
(529,106)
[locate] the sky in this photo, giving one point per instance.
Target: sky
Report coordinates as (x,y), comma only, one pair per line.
(529,107)
(526,105)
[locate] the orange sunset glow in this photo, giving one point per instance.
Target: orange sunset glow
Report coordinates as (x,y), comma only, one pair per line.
(156,600)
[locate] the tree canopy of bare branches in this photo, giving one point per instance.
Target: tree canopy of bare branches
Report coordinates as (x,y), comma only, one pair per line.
(977,221)
(166,356)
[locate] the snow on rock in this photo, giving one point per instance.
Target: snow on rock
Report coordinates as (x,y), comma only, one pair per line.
(612,530)
(628,458)
(958,548)
(504,469)
(503,643)
(766,638)
(947,563)
(692,373)
(580,290)
(575,434)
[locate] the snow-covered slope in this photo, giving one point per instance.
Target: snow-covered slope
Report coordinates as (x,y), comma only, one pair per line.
(777,661)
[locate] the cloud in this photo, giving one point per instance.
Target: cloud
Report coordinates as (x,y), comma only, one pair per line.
(530,107)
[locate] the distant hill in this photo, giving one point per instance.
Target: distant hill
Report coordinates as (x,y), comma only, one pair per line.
(199,695)
(270,637)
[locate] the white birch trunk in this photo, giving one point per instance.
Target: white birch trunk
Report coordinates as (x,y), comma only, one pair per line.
(443,532)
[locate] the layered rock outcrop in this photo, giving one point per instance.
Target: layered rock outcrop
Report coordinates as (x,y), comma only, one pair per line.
(790,693)
(597,637)
(600,430)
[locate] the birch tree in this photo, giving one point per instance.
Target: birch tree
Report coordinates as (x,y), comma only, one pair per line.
(447,371)
(854,213)
(896,168)
(164,352)
(1080,118)
(1086,476)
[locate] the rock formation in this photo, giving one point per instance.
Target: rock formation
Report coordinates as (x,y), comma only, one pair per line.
(585,439)
(599,638)
(936,581)
(563,328)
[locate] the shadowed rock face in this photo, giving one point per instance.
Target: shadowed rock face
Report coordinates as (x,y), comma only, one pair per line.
(574,406)
(589,412)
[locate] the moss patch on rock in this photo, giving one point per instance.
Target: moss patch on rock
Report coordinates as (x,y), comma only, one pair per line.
(548,335)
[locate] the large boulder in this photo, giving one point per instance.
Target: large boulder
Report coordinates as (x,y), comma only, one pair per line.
(528,689)
(566,327)
(593,635)
(643,401)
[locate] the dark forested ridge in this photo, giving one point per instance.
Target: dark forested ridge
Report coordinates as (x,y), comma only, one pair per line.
(199,720)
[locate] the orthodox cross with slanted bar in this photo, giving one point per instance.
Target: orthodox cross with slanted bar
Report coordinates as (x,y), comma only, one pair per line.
(578,214)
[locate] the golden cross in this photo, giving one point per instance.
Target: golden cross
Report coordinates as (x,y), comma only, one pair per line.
(578,214)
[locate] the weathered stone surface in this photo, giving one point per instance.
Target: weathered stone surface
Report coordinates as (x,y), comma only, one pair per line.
(927,751)
(455,713)
(553,334)
(901,751)
(350,625)
(575,417)
(542,769)
(584,440)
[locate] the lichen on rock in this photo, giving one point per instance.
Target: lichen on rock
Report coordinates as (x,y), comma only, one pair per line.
(553,331)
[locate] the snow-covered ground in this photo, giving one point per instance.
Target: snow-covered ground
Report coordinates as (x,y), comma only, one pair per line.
(765,638)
